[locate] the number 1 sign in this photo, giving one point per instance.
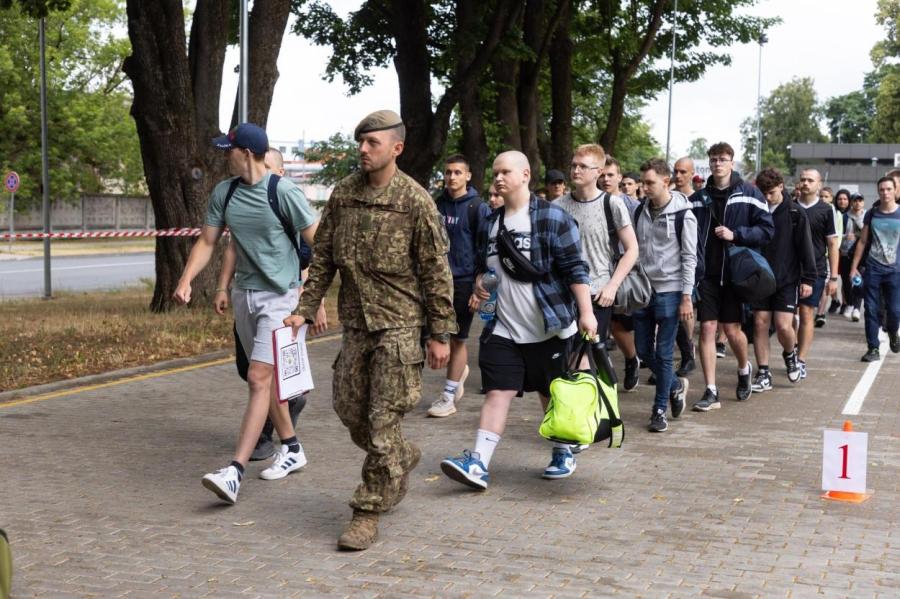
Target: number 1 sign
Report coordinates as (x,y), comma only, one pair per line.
(844,458)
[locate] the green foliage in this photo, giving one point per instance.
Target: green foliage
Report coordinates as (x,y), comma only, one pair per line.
(885,55)
(338,155)
(849,117)
(697,148)
(93,145)
(37,8)
(789,115)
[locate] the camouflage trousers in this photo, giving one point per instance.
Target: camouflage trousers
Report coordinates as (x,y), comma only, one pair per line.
(377,379)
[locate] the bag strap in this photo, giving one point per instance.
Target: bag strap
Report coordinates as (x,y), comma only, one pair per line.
(232,187)
(285,220)
(611,226)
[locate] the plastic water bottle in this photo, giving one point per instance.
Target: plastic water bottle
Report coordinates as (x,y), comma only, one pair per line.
(856,280)
(490,281)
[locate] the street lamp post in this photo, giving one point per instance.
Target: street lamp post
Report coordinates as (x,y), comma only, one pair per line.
(45,159)
(242,81)
(762,40)
(671,78)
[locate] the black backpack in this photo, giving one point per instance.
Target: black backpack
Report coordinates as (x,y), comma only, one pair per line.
(304,252)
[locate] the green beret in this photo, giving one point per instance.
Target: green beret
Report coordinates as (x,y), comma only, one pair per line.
(378,121)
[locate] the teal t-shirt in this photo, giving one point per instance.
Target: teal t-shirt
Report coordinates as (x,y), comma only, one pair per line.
(266,260)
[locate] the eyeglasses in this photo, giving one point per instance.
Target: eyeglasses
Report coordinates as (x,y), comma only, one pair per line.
(719,160)
(575,166)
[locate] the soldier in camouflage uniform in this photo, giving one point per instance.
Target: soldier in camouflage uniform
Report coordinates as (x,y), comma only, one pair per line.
(382,232)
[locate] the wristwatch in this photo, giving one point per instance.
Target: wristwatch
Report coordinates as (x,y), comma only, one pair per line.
(441,337)
(833,279)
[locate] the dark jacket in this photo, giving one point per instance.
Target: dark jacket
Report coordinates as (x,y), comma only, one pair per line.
(790,252)
(746,214)
(457,214)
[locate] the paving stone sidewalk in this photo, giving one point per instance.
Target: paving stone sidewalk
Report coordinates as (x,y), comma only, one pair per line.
(100,494)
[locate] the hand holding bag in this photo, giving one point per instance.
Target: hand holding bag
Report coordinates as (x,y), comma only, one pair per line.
(635,291)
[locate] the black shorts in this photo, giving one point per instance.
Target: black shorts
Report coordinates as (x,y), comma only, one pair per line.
(462,291)
(625,320)
(783,300)
(718,302)
(510,366)
(818,288)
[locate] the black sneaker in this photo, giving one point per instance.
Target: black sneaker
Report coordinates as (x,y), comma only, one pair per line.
(744,388)
(687,366)
(677,398)
(762,381)
(264,449)
(709,401)
(720,350)
(820,321)
(873,355)
(791,365)
(658,422)
(834,307)
(651,380)
(631,374)
(610,344)
(895,341)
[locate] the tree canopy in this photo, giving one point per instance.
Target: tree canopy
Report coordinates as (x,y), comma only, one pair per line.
(93,144)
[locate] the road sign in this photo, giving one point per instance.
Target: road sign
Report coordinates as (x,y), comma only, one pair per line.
(11,182)
(844,461)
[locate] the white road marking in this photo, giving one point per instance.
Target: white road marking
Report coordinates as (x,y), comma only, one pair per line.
(854,404)
(58,268)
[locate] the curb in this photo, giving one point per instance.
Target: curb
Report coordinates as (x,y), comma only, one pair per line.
(104,377)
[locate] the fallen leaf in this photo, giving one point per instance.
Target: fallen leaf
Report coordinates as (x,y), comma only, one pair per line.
(431,479)
(738,500)
(247,523)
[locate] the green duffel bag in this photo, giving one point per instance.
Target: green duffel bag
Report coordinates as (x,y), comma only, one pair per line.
(5,566)
(580,410)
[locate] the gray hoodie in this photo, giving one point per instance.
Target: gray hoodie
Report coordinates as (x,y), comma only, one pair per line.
(668,266)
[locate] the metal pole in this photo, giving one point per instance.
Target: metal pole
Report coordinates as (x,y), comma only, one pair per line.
(12,212)
(45,161)
(762,40)
(671,78)
(242,85)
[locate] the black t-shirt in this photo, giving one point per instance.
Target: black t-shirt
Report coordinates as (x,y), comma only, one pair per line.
(715,247)
(821,227)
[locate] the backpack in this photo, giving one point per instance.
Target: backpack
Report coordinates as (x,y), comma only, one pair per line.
(583,406)
(304,252)
(679,219)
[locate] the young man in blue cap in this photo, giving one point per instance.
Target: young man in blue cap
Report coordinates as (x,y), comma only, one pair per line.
(266,289)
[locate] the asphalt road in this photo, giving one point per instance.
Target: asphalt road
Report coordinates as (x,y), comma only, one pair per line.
(25,278)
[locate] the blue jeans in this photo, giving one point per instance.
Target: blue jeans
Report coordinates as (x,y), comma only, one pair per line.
(655,327)
(878,279)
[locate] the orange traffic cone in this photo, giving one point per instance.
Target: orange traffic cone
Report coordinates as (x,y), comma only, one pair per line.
(847,496)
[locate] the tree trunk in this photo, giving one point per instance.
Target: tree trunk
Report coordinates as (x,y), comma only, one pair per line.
(474,140)
(610,134)
(561,53)
(506,75)
(176,113)
(268,21)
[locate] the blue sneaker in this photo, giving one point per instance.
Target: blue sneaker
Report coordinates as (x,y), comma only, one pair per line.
(467,469)
(561,465)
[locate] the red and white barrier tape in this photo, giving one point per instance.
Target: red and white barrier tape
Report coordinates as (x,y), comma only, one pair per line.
(175,232)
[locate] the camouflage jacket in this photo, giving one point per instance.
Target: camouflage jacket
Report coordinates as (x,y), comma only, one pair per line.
(390,247)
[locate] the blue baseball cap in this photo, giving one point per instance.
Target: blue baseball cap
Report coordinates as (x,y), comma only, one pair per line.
(246,136)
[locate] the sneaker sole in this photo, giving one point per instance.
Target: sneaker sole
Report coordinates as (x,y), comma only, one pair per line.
(220,492)
(441,414)
(657,430)
(558,476)
(278,475)
(461,477)
(760,389)
(714,406)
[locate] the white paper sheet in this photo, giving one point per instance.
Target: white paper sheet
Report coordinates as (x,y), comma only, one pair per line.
(292,373)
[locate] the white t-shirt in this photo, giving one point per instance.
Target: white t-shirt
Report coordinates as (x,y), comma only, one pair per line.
(596,246)
(519,316)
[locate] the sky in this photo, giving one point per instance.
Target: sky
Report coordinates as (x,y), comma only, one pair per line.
(828,40)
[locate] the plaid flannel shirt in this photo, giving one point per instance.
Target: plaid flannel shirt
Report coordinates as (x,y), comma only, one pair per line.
(555,249)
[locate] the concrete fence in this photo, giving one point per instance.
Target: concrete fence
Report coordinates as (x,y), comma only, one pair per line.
(91,212)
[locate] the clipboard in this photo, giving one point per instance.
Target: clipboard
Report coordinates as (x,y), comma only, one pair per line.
(292,372)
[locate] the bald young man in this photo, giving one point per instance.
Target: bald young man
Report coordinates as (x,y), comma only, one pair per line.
(524,347)
(682,177)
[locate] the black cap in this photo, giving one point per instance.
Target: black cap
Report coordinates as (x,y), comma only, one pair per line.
(553,176)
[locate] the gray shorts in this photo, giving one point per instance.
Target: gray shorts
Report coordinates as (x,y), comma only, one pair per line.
(256,315)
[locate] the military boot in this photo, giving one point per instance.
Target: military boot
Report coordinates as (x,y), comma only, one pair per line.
(361,532)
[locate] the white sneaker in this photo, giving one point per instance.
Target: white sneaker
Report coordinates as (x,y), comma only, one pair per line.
(443,406)
(284,463)
(462,381)
(855,315)
(847,312)
(225,483)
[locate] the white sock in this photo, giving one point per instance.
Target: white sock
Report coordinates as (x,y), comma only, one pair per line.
(745,369)
(450,387)
(485,444)
(713,388)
